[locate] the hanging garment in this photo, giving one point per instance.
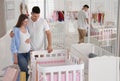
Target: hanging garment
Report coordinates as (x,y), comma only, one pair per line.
(60,16)
(55,16)
(99,17)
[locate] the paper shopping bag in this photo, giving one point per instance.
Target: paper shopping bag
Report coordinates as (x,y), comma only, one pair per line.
(22,76)
(11,73)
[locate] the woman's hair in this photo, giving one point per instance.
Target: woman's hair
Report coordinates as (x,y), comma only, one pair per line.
(36,10)
(21,18)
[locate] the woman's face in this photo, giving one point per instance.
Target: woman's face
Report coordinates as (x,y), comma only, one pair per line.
(25,22)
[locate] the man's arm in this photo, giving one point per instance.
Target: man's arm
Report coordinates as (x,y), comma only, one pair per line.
(87,20)
(87,17)
(49,39)
(11,34)
(90,25)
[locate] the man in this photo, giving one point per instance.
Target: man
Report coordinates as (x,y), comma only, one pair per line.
(83,21)
(38,28)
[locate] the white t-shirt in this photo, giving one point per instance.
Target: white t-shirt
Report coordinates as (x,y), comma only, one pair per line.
(37,33)
(82,15)
(24,47)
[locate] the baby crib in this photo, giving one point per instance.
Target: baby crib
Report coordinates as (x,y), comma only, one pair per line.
(56,66)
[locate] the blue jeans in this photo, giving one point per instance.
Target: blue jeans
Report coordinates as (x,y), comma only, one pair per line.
(23,59)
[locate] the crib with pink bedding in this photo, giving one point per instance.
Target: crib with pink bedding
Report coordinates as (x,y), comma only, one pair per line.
(56,66)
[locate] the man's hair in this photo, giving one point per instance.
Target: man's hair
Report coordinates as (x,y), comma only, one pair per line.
(36,9)
(85,6)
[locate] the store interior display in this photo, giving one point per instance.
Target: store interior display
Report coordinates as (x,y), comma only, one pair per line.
(98,18)
(72,15)
(98,52)
(58,16)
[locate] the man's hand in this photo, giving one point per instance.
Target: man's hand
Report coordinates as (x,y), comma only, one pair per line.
(11,34)
(91,26)
(49,38)
(50,49)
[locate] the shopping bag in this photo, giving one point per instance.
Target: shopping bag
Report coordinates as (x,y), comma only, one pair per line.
(11,73)
(22,76)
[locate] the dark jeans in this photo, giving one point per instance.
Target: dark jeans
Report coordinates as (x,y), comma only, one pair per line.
(23,59)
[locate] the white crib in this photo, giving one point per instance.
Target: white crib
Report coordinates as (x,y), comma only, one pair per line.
(103,67)
(56,66)
(104,37)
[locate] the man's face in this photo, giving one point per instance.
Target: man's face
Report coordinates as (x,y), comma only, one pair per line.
(34,16)
(86,9)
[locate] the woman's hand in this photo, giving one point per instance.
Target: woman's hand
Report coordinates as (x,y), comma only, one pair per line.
(15,59)
(27,41)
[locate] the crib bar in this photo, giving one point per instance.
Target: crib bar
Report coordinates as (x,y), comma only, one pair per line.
(44,77)
(74,75)
(59,76)
(81,75)
(67,76)
(38,77)
(52,76)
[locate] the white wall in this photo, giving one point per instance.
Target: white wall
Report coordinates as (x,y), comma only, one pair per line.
(59,4)
(75,5)
(5,53)
(11,22)
(2,19)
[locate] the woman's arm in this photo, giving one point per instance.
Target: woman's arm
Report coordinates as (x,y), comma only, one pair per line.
(14,47)
(15,59)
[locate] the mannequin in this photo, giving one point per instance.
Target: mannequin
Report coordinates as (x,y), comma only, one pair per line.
(23,8)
